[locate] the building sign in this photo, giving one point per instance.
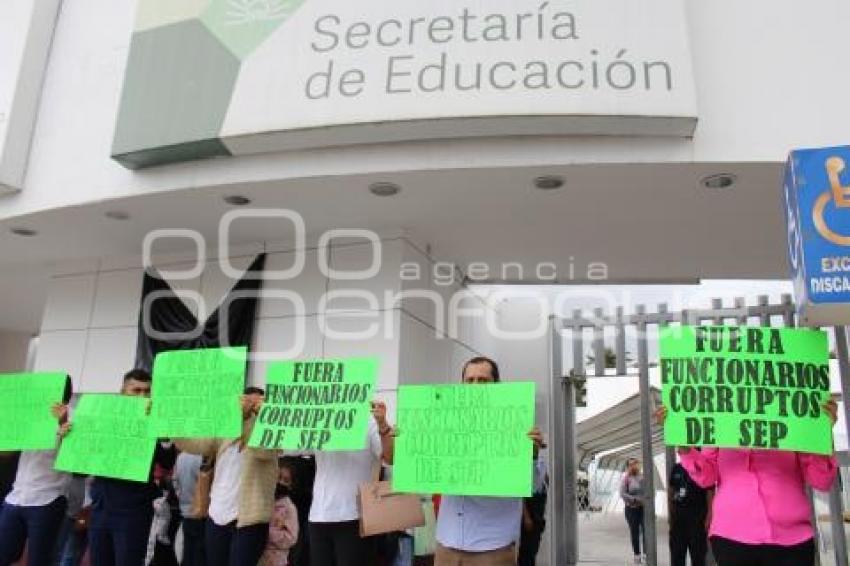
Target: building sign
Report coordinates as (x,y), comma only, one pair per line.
(817,202)
(209,78)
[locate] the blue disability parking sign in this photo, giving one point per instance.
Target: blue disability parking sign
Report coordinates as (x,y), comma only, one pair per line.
(817,203)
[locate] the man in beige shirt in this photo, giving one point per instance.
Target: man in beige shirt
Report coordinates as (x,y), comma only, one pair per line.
(242,493)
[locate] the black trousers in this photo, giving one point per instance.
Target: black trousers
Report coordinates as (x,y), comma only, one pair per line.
(688,536)
(229,546)
(339,544)
(529,545)
(119,537)
(731,553)
(194,553)
(634,518)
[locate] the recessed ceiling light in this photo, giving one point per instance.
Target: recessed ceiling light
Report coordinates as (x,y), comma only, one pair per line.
(549,182)
(384,189)
(25,232)
(116,215)
(719,181)
(237,200)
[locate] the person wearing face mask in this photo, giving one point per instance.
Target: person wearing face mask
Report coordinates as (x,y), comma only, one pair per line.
(283,527)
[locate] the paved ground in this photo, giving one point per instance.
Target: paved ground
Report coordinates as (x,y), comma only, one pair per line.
(604,541)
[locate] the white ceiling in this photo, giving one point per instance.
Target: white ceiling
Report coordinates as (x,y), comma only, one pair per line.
(647,222)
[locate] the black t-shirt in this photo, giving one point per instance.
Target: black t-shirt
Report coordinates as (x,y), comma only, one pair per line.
(687,496)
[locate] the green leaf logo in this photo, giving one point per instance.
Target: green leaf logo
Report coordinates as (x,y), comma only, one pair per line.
(243,25)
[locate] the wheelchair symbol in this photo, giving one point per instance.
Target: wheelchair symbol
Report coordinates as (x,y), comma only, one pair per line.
(839,195)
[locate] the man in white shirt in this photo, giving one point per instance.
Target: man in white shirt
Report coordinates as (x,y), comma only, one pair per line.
(334,527)
(35,508)
(480,531)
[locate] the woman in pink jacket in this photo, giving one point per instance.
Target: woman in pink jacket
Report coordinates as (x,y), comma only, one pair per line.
(283,527)
(761,514)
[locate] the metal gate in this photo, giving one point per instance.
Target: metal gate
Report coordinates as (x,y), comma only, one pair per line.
(565,547)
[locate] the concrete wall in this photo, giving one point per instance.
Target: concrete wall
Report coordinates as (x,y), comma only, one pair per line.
(14,347)
(89,327)
(26,34)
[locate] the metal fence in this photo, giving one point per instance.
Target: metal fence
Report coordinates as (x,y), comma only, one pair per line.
(565,548)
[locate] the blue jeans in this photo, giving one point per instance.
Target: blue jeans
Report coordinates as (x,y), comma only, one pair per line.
(119,538)
(39,525)
(75,547)
(405,551)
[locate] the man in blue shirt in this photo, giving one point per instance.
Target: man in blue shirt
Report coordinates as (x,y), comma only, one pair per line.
(482,531)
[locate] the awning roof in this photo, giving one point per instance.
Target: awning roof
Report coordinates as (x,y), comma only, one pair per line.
(616,433)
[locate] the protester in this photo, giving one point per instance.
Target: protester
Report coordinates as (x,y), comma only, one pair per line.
(534,514)
(688,511)
(632,493)
(122,511)
(35,508)
(166,522)
(73,537)
(283,529)
(304,476)
(160,550)
(241,497)
(186,471)
(334,526)
(761,515)
(480,530)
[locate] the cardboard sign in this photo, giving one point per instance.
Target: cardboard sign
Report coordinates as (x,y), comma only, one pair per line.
(465,439)
(195,393)
(739,387)
(320,405)
(26,422)
(109,438)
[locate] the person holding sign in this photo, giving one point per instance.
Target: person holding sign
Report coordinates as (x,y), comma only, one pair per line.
(242,492)
(761,515)
(122,510)
(334,522)
(35,508)
(480,530)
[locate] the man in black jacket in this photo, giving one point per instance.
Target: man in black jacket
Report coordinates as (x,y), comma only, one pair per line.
(122,511)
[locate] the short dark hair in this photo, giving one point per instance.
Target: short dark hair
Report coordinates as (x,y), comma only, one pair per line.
(494,367)
(69,390)
(137,374)
(251,390)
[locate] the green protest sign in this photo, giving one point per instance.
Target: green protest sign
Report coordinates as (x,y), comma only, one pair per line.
(109,438)
(195,393)
(741,387)
(320,405)
(26,422)
(465,439)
